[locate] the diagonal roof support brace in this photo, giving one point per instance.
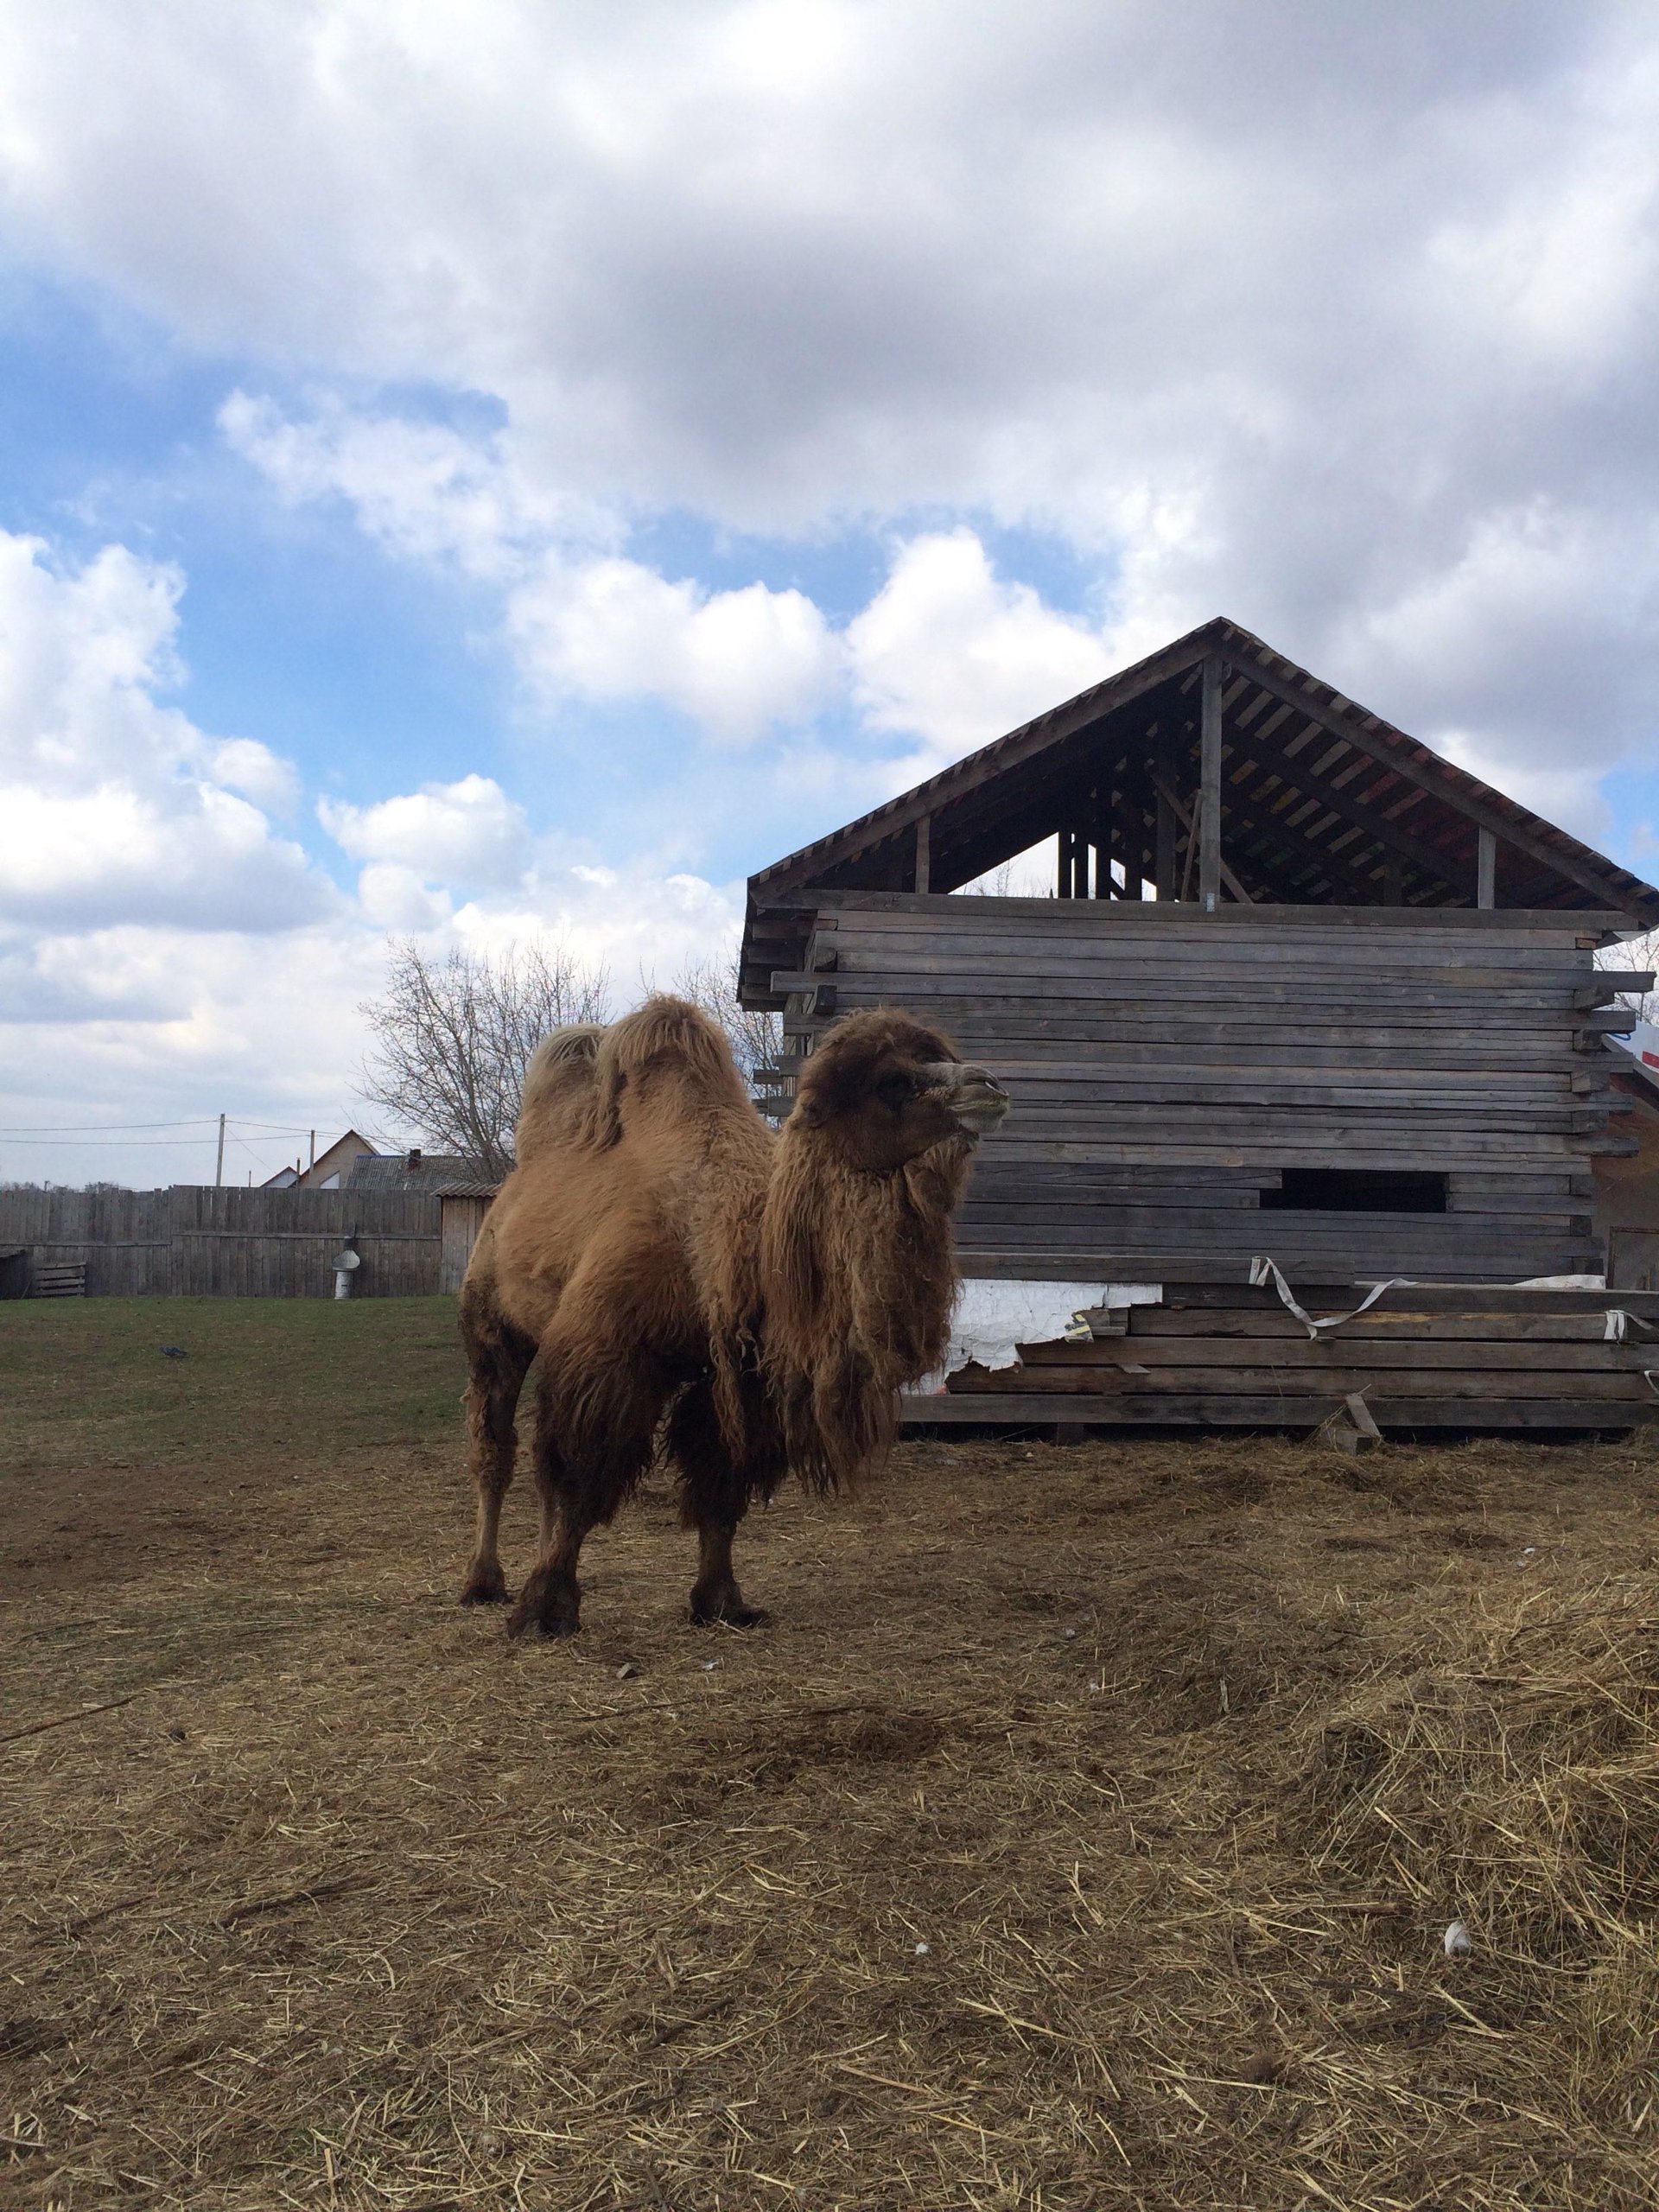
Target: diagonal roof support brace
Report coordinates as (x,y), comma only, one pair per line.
(1395,758)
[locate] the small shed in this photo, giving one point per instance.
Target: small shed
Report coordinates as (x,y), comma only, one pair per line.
(1302,989)
(461,1207)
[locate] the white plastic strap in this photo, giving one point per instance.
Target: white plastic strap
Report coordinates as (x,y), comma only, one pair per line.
(1619,1324)
(1263,1271)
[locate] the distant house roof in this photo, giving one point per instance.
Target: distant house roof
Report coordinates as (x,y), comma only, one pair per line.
(472,1189)
(438,1174)
(328,1171)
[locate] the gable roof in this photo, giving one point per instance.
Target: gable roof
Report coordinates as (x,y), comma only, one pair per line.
(1323,802)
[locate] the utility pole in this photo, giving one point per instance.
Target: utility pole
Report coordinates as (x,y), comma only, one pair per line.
(313,1162)
(219,1165)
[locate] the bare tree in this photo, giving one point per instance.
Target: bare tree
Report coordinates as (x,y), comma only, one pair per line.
(450,1040)
(754,1036)
(1640,954)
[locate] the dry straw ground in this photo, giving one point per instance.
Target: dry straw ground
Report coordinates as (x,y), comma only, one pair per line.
(1083,1834)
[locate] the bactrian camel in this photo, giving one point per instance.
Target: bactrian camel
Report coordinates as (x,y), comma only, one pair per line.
(745,1301)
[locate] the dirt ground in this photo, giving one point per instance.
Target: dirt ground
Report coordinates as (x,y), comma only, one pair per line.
(1083,1832)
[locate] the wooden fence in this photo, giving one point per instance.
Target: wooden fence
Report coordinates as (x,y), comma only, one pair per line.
(196,1242)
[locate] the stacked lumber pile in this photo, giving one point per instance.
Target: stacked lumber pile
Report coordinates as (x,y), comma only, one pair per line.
(1444,1356)
(1175,1076)
(58,1279)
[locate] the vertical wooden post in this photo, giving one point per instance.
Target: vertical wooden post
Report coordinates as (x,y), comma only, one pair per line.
(1210,788)
(924,851)
(1485,869)
(1164,862)
(1135,800)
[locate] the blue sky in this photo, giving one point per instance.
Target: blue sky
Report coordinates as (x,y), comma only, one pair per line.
(483,472)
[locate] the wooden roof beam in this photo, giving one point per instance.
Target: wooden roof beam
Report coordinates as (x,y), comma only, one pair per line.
(1303,776)
(1309,856)
(1393,756)
(1087,711)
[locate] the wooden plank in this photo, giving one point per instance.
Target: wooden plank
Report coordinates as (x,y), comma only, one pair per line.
(1599,1386)
(1566,924)
(1151,926)
(1208,1087)
(1462,1298)
(1375,1327)
(1220,1410)
(1346,1350)
(1185,1148)
(1554,978)
(1325,930)
(1042,1033)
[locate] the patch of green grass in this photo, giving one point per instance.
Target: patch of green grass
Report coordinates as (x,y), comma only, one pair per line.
(86,1379)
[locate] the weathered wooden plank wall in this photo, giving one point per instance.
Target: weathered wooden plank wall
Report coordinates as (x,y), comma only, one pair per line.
(195,1241)
(1167,1066)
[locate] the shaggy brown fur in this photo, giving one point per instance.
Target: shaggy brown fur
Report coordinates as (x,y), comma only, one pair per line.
(752,1301)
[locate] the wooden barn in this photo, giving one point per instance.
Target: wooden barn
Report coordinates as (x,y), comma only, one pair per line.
(1305,992)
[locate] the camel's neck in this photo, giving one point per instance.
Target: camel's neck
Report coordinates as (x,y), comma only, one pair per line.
(857,1277)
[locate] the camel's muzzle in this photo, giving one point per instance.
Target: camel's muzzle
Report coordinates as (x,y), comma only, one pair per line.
(976,1099)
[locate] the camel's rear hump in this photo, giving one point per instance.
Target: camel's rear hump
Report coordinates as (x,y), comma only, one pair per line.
(667,1048)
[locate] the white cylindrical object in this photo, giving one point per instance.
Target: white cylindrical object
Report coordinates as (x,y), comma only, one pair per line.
(342,1283)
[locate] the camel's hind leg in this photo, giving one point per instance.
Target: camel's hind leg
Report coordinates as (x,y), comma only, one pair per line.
(716,1497)
(587,1463)
(498,1358)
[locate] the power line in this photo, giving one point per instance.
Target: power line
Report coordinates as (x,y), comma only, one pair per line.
(25,1132)
(57,1129)
(111,1144)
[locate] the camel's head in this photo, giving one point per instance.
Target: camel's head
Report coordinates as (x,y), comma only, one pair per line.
(884,1089)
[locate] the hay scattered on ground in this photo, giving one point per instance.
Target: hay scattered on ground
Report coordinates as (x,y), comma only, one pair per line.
(1084,1833)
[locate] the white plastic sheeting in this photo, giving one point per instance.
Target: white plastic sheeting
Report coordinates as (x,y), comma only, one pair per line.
(992,1317)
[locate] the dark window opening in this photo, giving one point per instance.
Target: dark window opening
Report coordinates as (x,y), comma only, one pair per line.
(1357,1189)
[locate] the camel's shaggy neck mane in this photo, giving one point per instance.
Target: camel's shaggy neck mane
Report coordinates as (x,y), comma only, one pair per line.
(857,1277)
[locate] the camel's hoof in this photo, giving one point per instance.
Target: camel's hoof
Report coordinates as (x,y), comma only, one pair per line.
(480,1589)
(543,1624)
(730,1616)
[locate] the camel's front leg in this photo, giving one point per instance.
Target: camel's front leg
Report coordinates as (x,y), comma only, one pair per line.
(550,1601)
(716,1498)
(715,1595)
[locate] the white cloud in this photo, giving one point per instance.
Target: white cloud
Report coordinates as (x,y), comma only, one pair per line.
(112,804)
(394,896)
(948,652)
(787,267)
(242,764)
(468,832)
(424,490)
(736,662)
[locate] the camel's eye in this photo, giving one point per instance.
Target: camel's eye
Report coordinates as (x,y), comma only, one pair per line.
(895,1091)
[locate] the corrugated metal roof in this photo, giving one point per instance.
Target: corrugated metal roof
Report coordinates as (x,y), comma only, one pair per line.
(433,1172)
